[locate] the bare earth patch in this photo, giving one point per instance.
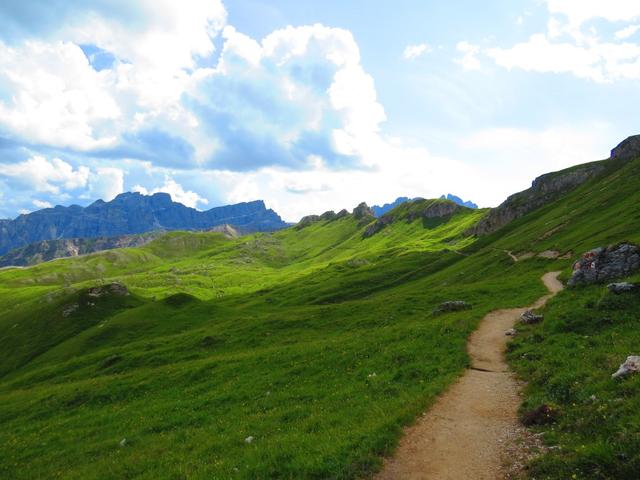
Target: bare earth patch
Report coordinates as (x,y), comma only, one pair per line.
(551,254)
(472,431)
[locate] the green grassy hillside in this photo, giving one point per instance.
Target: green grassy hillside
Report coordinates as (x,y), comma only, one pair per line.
(318,343)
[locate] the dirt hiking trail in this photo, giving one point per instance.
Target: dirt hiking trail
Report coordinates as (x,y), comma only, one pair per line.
(471,429)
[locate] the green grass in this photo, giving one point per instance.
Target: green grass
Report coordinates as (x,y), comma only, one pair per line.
(317,342)
(568,360)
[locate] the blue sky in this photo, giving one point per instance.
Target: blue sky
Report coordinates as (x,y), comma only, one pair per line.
(308,105)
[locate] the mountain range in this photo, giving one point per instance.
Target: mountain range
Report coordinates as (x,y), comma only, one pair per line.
(131,213)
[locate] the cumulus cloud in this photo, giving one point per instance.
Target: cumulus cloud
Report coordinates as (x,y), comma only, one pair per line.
(568,46)
(41,204)
(299,92)
(42,175)
(106,183)
(56,95)
(412,52)
(162,34)
(177,192)
(56,98)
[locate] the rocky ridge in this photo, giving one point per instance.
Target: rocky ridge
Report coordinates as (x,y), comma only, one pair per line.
(551,186)
(361,213)
(544,189)
(46,250)
(413,210)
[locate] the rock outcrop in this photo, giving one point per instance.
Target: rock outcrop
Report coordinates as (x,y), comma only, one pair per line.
(306,221)
(130,213)
(227,230)
(622,287)
(115,288)
(452,306)
(631,365)
(363,211)
(328,215)
(437,209)
(377,226)
(543,190)
(530,318)
(627,150)
(606,264)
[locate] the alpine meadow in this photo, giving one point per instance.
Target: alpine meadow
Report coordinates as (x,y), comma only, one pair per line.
(298,240)
(302,353)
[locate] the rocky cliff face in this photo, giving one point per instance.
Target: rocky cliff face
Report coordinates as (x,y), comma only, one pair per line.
(628,149)
(543,190)
(51,249)
(130,213)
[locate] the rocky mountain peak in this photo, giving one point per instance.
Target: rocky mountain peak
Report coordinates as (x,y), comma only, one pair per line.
(627,149)
(362,211)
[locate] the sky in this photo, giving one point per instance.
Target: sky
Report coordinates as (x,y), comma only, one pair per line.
(308,105)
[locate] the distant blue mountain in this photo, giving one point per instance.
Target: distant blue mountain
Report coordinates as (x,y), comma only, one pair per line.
(459,201)
(131,213)
(379,211)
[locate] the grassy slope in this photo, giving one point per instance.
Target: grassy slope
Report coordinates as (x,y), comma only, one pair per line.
(281,342)
(587,333)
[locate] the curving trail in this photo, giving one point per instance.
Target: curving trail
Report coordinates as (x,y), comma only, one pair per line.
(467,432)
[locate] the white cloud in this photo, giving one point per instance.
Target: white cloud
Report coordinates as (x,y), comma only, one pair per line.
(627,32)
(41,204)
(106,183)
(56,97)
(570,46)
(161,34)
(600,62)
(579,11)
(299,92)
(412,52)
(177,192)
(469,60)
(42,175)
